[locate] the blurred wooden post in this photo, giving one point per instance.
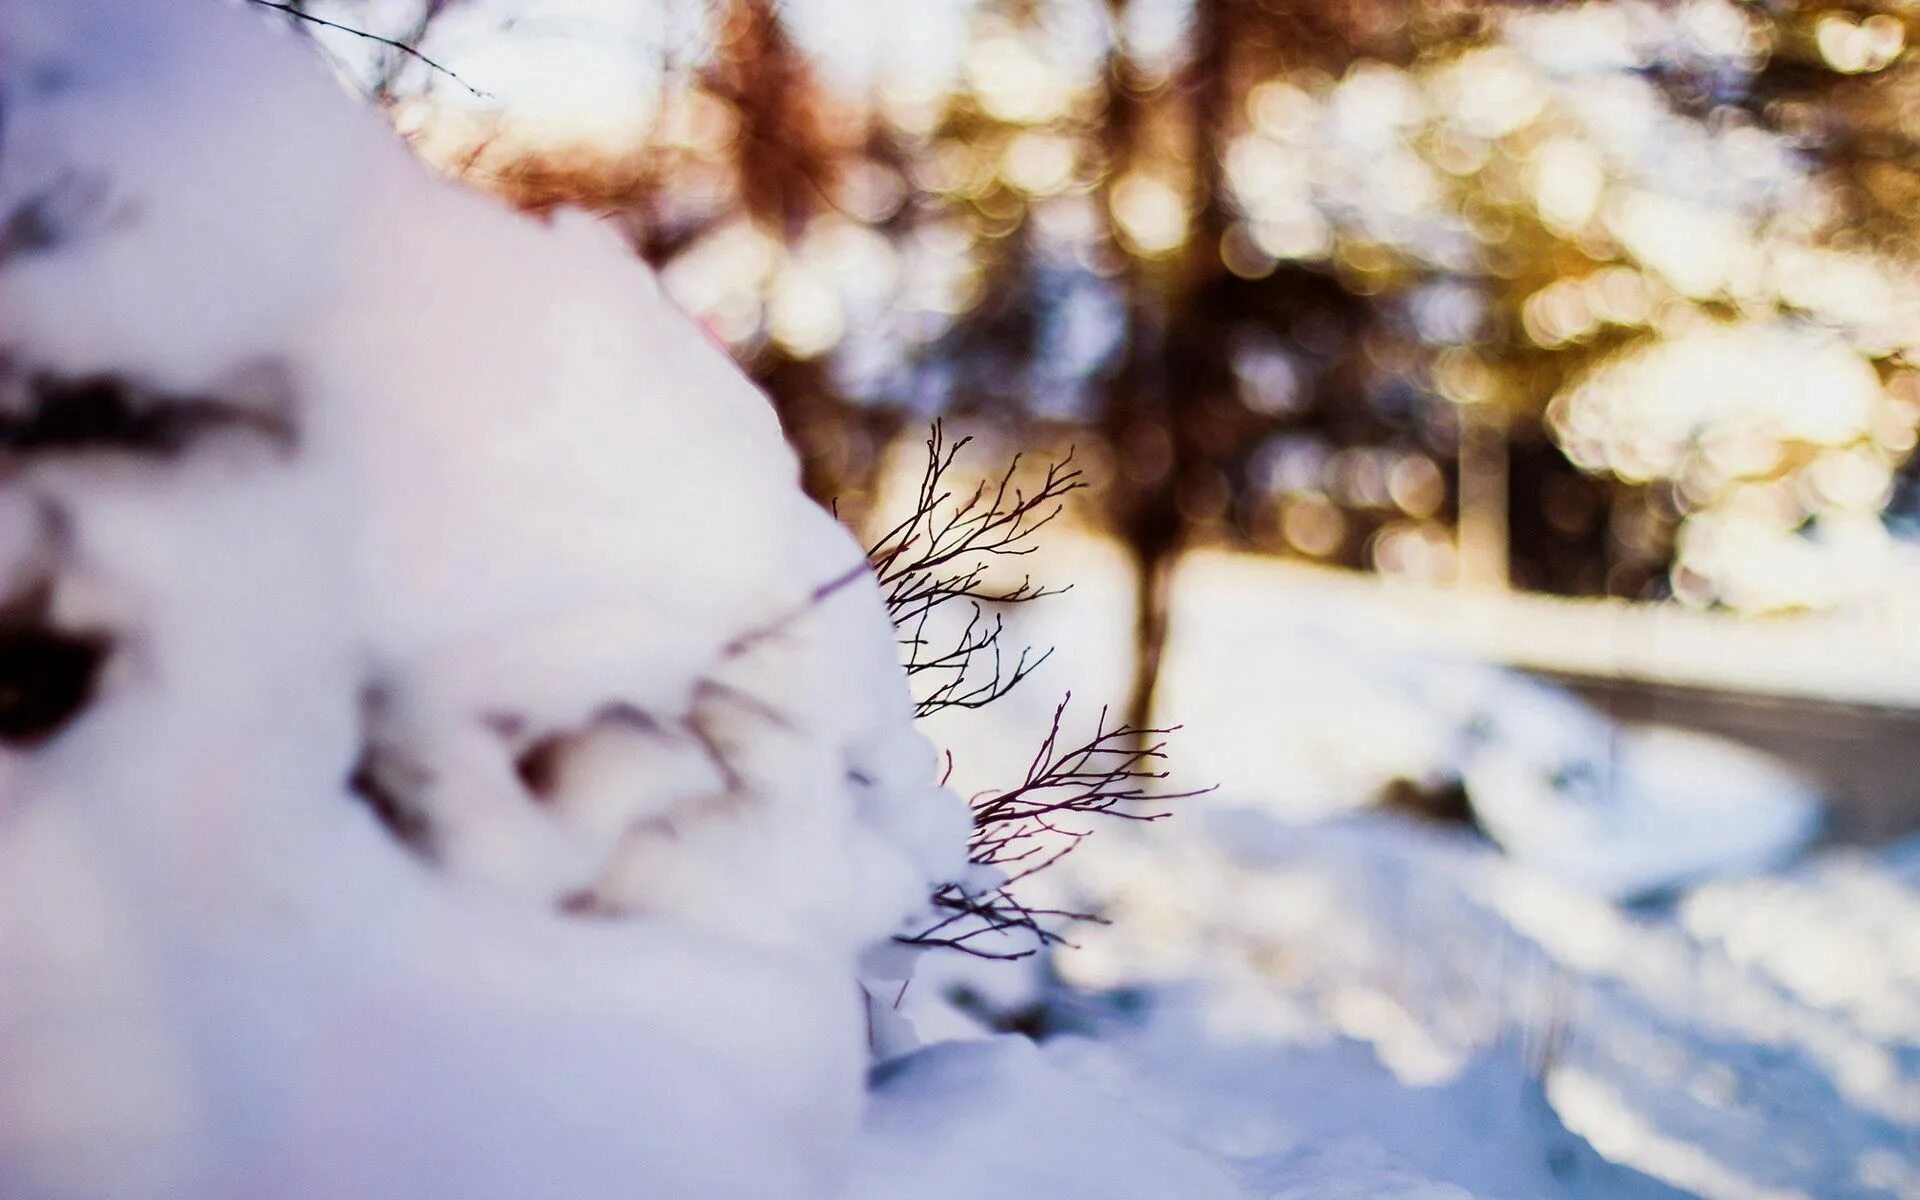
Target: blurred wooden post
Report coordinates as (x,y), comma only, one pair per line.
(1481,543)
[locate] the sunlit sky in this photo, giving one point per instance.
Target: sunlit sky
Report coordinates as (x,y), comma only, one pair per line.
(588,69)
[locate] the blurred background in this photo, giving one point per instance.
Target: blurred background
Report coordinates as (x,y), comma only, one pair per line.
(1502,413)
(1613,302)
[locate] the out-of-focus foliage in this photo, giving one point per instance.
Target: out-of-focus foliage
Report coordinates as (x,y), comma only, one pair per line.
(1602,297)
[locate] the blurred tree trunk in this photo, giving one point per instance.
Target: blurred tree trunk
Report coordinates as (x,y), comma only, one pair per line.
(787,168)
(1163,402)
(1482,524)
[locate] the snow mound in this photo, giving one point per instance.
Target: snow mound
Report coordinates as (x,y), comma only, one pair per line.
(1619,810)
(444,753)
(1623,811)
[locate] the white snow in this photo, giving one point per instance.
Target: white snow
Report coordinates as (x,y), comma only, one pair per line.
(413,501)
(993,1118)
(1406,989)
(1380,1008)
(481,495)
(1309,693)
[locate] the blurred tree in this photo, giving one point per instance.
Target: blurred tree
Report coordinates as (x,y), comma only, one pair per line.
(787,162)
(1216,347)
(1456,289)
(1837,79)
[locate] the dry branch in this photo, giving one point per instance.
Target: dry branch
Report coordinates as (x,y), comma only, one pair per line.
(1118,772)
(942,553)
(295,12)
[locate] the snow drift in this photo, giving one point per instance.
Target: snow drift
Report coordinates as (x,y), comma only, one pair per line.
(468,766)
(442,752)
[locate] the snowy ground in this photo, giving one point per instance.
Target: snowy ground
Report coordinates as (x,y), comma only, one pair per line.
(1757,1038)
(1348,1003)
(1311,700)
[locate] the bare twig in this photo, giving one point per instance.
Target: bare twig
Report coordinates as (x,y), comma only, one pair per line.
(1019,832)
(747,641)
(939,554)
(298,13)
(942,551)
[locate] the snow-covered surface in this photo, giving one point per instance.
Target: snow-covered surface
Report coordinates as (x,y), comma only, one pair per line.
(1311,694)
(1344,1004)
(498,781)
(1364,1007)
(1840,659)
(1410,988)
(389,479)
(991,1117)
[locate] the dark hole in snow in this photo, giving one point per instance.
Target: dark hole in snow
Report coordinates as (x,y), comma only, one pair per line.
(385,779)
(510,726)
(49,78)
(539,765)
(30,229)
(404,821)
(585,904)
(46,678)
(108,412)
(67,209)
(1036,1020)
(1445,802)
